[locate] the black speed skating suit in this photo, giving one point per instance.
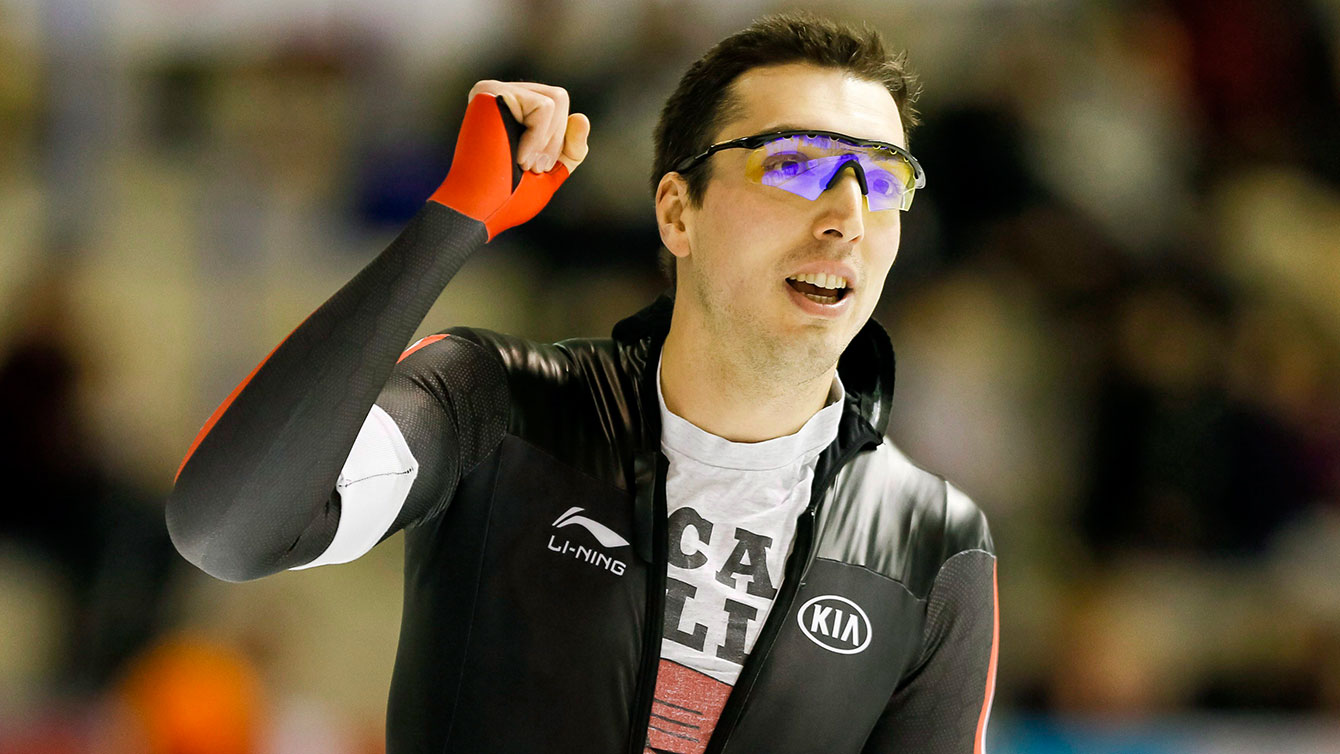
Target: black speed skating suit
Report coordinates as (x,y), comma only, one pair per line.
(521,637)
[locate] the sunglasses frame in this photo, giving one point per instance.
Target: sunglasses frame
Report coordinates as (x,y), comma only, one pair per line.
(758,140)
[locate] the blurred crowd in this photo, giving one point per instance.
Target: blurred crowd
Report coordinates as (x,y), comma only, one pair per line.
(1116,309)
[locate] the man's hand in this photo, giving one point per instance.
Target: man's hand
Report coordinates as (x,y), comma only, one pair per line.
(516,147)
(552,135)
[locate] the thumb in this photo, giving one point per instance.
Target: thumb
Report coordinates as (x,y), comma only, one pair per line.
(574,141)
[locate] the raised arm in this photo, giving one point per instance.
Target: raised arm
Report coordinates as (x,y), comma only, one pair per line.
(258,492)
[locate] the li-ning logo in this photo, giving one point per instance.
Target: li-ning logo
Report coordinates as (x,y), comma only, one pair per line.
(603,534)
(835,623)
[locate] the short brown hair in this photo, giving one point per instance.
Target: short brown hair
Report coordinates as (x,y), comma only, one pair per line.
(703,102)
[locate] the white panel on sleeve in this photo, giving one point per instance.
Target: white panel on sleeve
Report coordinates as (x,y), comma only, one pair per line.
(373,486)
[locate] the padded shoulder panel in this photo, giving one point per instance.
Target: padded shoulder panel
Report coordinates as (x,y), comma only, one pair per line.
(470,382)
(568,398)
(895,518)
(449,398)
(965,523)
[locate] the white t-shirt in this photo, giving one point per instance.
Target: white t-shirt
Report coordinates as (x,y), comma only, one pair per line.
(732,520)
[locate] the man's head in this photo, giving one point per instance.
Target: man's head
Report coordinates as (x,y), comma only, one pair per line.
(736,242)
(705,101)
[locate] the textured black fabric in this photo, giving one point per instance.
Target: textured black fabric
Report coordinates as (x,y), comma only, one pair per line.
(450,402)
(937,707)
(256,496)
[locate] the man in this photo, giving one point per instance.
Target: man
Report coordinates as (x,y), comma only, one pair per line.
(689,537)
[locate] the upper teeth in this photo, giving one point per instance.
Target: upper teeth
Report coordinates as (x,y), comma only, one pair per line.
(822,280)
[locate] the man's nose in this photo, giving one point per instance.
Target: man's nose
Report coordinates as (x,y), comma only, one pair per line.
(843,206)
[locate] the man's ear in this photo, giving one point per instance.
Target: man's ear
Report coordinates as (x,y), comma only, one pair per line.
(673,213)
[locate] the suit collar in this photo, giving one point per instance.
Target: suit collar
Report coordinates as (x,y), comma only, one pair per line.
(867,369)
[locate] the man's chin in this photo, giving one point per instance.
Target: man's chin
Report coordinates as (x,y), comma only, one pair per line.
(819,343)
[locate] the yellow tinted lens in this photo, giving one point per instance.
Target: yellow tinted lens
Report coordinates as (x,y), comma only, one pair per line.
(896,166)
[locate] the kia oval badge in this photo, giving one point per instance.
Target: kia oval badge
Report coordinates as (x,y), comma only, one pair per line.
(835,623)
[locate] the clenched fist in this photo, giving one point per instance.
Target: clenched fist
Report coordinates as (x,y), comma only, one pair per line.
(516,147)
(552,135)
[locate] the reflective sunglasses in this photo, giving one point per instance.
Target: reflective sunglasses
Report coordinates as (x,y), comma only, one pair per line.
(808,163)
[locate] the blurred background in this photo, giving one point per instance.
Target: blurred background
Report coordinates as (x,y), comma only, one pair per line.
(1116,309)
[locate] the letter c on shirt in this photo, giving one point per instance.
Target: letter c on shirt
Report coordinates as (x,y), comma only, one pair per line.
(679,521)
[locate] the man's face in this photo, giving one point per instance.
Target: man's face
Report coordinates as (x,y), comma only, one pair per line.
(745,240)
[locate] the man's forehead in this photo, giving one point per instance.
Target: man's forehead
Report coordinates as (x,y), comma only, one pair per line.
(801,96)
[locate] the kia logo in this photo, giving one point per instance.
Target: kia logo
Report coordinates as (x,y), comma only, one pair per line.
(835,623)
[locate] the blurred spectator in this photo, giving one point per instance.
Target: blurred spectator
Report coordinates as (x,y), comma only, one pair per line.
(189,695)
(1181,465)
(1265,80)
(103,539)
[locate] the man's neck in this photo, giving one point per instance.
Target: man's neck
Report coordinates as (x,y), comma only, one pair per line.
(706,387)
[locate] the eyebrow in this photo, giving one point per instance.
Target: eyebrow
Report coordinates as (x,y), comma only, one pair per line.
(787,126)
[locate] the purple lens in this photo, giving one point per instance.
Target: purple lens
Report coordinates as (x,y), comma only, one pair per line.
(807,166)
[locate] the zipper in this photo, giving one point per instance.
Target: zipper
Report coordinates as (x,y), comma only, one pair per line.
(797,567)
(655,615)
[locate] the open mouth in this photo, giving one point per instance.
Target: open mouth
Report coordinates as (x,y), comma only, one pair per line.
(820,288)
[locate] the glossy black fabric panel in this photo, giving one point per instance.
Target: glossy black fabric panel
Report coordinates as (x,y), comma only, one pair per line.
(508,640)
(443,562)
(818,692)
(572,398)
(908,541)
